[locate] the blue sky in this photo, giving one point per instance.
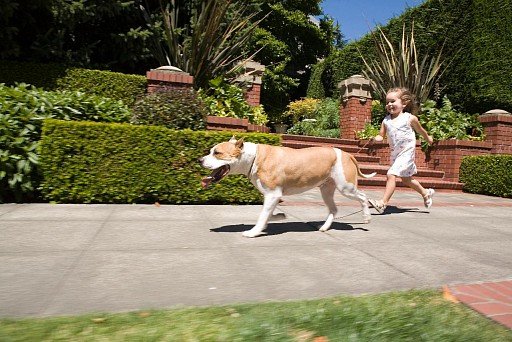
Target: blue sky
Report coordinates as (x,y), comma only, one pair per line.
(358,17)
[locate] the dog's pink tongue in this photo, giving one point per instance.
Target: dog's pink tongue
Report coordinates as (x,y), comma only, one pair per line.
(205,182)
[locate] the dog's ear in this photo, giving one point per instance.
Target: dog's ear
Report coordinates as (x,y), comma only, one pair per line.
(240,143)
(232,140)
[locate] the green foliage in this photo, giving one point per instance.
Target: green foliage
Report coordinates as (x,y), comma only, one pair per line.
(171,108)
(59,77)
(369,131)
(322,122)
(487,175)
(487,59)
(227,100)
(204,38)
(378,113)
(402,67)
(92,33)
(114,85)
(22,109)
(291,43)
(447,123)
(315,87)
(302,109)
(477,45)
(83,162)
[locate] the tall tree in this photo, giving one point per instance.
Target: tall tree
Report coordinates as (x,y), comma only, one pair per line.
(292,41)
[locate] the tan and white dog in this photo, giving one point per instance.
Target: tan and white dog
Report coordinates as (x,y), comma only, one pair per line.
(279,171)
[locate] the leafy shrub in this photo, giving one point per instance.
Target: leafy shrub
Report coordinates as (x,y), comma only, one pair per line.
(302,109)
(315,87)
(109,84)
(172,108)
(488,175)
(378,113)
(304,127)
(447,123)
(22,109)
(114,85)
(226,100)
(369,131)
(323,122)
(85,162)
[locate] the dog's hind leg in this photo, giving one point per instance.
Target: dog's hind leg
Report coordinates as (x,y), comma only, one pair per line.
(350,191)
(269,204)
(327,189)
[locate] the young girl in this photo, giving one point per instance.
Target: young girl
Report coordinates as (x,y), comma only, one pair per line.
(399,125)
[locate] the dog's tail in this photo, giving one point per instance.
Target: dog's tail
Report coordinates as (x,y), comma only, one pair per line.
(359,170)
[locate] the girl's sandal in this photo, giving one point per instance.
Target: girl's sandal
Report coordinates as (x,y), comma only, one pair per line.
(378,205)
(427,199)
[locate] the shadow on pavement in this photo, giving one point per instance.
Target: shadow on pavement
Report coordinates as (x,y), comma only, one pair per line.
(288,227)
(396,210)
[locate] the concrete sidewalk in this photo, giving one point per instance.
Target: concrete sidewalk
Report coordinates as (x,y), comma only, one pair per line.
(72,259)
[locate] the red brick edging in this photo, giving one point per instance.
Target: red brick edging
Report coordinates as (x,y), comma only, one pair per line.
(492,299)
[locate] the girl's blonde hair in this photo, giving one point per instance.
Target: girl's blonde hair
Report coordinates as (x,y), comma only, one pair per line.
(408,99)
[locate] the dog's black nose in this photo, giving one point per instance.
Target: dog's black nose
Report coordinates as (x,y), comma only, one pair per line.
(200,159)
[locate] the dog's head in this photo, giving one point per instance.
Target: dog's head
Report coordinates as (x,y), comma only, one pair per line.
(222,156)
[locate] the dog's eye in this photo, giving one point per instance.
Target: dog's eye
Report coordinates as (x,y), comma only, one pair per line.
(215,153)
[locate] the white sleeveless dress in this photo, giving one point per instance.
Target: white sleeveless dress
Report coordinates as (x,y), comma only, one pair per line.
(402,141)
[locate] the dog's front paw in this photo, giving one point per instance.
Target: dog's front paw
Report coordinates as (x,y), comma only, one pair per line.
(251,233)
(367,218)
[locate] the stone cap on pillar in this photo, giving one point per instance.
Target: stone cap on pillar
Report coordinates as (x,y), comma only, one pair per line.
(495,115)
(355,86)
(168,68)
(253,71)
(496,112)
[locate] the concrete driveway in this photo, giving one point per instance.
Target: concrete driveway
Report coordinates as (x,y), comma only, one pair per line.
(72,259)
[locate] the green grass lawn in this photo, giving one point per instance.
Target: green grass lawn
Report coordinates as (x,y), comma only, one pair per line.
(401,316)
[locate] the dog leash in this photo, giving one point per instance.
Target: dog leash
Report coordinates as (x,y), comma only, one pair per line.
(371,139)
(340,217)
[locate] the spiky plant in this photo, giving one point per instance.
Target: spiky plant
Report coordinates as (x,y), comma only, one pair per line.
(402,67)
(205,38)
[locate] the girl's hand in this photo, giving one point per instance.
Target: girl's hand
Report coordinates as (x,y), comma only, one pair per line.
(430,140)
(378,138)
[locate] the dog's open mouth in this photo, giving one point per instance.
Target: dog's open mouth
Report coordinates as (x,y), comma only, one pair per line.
(215,176)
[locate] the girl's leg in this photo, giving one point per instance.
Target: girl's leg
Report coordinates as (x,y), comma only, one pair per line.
(390,189)
(380,205)
(415,185)
(425,193)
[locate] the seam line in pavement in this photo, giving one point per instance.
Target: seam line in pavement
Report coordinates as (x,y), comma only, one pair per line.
(73,266)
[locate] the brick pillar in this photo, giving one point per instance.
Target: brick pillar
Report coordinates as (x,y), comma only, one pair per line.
(250,80)
(498,130)
(253,94)
(356,108)
(168,77)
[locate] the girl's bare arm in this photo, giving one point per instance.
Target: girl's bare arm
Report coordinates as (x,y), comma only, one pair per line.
(415,123)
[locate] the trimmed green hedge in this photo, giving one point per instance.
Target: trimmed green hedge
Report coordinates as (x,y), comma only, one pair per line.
(488,175)
(117,86)
(85,162)
(22,110)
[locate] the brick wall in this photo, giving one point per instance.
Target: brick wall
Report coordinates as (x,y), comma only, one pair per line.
(447,155)
(217,123)
(354,114)
(252,94)
(160,79)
